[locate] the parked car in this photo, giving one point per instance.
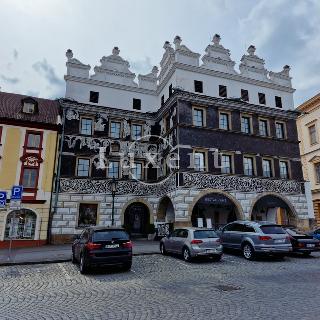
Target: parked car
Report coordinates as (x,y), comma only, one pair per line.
(192,242)
(254,238)
(302,242)
(101,246)
(315,234)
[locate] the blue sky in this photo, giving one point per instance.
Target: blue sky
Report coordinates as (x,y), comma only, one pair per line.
(36,33)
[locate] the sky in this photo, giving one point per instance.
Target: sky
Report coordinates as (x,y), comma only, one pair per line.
(35,35)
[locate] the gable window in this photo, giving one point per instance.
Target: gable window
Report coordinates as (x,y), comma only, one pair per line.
(28,107)
(267,168)
(94,97)
(198,117)
(284,169)
(246,124)
(33,140)
(137,171)
(280,133)
(262,98)
(313,134)
(136,104)
(222,91)
(278,101)
(263,127)
(317,168)
(170,90)
(198,86)
(248,167)
(83,167)
(30,177)
(199,161)
(244,95)
(226,163)
(113,169)
(136,131)
(162,100)
(115,129)
(86,126)
(224,121)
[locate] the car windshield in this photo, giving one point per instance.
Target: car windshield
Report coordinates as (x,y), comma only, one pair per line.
(295,232)
(272,229)
(202,234)
(105,235)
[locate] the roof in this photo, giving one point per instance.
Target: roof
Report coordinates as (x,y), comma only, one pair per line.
(11,109)
(309,104)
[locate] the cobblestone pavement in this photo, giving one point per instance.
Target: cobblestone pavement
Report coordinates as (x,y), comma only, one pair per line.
(161,287)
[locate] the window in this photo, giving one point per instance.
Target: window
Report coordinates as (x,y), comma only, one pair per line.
(222,91)
(317,168)
(30,177)
(137,171)
(115,129)
(280,130)
(313,134)
(170,90)
(198,119)
(284,170)
(199,161)
(136,104)
(86,126)
(204,234)
(263,127)
(33,140)
(162,100)
(28,107)
(113,170)
(224,121)
(198,86)
(88,213)
(226,163)
(244,95)
(246,228)
(136,131)
(94,97)
(248,167)
(278,102)
(83,167)
(267,168)
(246,124)
(272,229)
(262,98)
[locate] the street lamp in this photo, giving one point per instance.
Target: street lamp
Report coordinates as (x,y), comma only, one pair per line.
(113,193)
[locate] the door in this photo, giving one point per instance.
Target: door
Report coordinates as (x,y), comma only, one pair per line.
(170,241)
(180,240)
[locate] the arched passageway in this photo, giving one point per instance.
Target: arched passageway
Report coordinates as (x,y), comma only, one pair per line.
(137,219)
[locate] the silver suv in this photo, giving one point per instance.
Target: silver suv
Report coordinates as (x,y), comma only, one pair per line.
(254,238)
(192,242)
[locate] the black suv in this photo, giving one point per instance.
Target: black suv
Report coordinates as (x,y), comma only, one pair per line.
(101,246)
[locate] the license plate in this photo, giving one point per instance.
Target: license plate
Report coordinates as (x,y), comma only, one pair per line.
(279,241)
(310,245)
(210,251)
(111,246)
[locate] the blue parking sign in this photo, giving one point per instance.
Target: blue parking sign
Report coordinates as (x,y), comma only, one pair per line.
(16,192)
(3,199)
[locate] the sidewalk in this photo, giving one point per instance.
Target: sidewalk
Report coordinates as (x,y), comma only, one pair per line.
(62,253)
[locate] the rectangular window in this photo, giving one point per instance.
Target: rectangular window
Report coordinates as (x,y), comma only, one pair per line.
(263,128)
(284,170)
(136,104)
(278,101)
(198,119)
(137,171)
(198,86)
(248,167)
(222,91)
(267,168)
(246,124)
(86,126)
(113,169)
(317,168)
(244,95)
(162,100)
(280,130)
(136,131)
(224,121)
(94,97)
(226,163)
(29,179)
(199,161)
(115,129)
(313,134)
(33,140)
(83,167)
(262,98)
(170,90)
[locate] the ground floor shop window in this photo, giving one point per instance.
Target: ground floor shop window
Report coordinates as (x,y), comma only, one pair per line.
(88,213)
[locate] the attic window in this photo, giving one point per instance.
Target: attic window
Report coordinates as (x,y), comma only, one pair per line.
(29,106)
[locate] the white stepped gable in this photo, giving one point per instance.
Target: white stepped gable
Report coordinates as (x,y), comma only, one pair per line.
(183,54)
(167,60)
(114,69)
(75,67)
(149,81)
(217,57)
(282,77)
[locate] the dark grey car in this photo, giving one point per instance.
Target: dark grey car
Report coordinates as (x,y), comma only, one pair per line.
(254,238)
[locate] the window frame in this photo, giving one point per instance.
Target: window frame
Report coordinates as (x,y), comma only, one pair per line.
(199,83)
(120,129)
(223,87)
(249,117)
(276,100)
(228,114)
(315,133)
(92,126)
(270,160)
(36,180)
(29,132)
(262,96)
(284,129)
(108,169)
(77,167)
(288,168)
(317,172)
(135,124)
(204,115)
(205,159)
(254,168)
(224,154)
(90,96)
(242,95)
(267,127)
(142,169)
(137,107)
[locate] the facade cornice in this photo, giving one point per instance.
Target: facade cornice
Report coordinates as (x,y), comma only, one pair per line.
(30,124)
(310,104)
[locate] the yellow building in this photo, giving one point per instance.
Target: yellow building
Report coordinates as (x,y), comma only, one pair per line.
(28,139)
(309,135)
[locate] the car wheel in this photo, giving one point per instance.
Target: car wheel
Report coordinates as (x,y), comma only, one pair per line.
(248,251)
(127,266)
(217,258)
(73,258)
(83,265)
(186,254)
(163,249)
